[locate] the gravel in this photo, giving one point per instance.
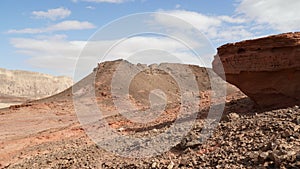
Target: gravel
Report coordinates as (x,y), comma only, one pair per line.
(269,139)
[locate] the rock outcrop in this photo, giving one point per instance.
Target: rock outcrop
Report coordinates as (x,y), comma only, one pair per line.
(266,69)
(31,85)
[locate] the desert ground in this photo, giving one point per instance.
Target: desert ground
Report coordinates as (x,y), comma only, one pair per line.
(249,133)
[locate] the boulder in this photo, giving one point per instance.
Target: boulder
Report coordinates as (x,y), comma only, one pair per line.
(266,69)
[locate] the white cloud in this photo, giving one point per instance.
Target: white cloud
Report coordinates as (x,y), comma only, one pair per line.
(56,53)
(53,54)
(60,55)
(52,37)
(62,26)
(26,31)
(200,21)
(90,7)
(219,29)
(53,14)
(71,25)
(106,1)
(278,14)
(233,33)
(231,19)
(177,6)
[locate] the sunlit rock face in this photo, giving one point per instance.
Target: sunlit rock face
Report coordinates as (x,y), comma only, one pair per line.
(266,69)
(31,85)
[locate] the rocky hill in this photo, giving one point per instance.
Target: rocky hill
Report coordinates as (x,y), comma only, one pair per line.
(246,137)
(32,85)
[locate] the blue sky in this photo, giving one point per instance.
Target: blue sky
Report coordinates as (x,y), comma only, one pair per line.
(48,35)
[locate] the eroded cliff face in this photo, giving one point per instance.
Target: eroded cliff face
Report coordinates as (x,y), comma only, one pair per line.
(266,69)
(30,84)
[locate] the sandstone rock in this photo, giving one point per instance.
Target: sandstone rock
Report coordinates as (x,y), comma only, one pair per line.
(266,69)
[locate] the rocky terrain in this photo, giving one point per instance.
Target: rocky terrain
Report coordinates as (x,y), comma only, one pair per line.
(47,133)
(266,69)
(18,86)
(7,100)
(265,140)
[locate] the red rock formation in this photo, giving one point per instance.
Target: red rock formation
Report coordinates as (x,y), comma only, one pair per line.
(266,69)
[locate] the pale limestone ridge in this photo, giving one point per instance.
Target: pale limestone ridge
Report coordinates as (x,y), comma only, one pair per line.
(31,85)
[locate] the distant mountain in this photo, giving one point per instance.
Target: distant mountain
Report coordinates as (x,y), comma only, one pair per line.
(31,85)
